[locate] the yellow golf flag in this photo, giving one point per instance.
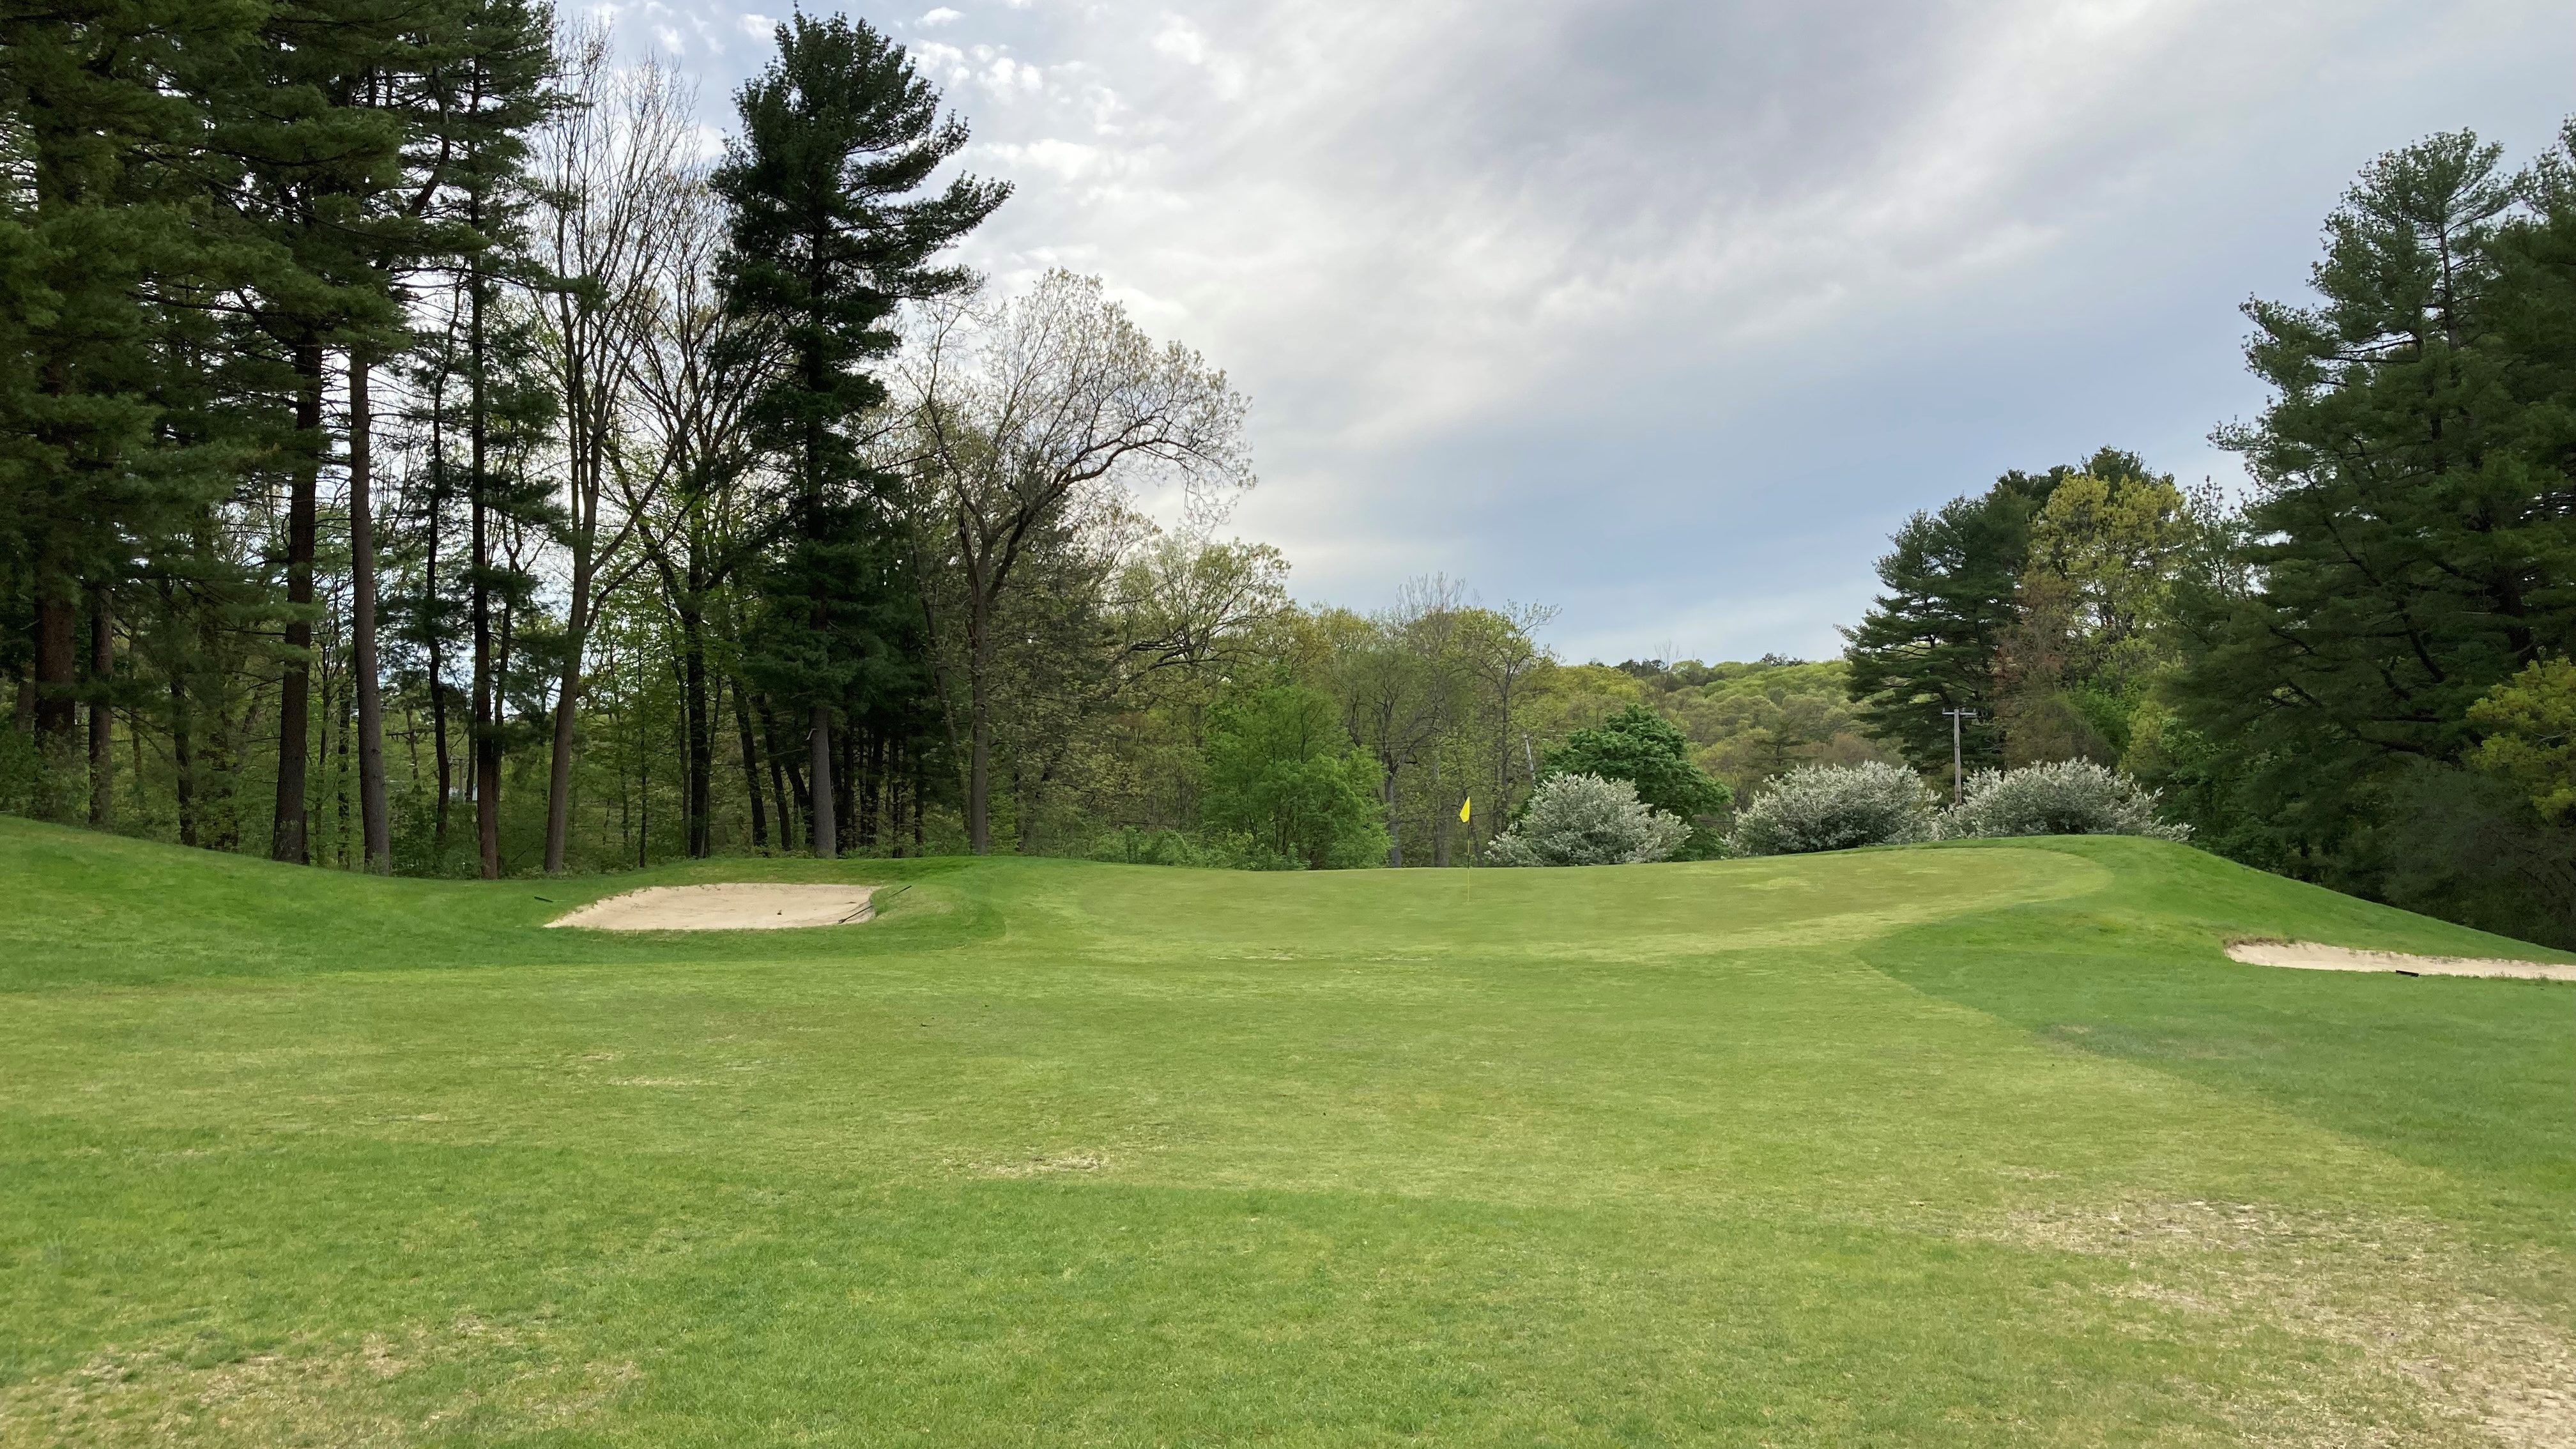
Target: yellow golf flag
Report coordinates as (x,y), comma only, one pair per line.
(1462,808)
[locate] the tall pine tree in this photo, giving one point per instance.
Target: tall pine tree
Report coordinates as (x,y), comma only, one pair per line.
(311,150)
(489,90)
(106,103)
(1929,642)
(834,228)
(2414,524)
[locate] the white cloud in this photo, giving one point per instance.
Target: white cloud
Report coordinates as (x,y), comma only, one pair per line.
(1070,160)
(1003,76)
(942,16)
(1180,40)
(1668,309)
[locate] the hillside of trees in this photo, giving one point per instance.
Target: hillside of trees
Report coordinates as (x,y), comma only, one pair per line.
(416,455)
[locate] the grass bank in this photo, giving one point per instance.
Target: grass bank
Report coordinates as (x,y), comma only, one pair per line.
(1960,1145)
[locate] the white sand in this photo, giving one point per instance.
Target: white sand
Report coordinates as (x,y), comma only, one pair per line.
(749,906)
(2311,957)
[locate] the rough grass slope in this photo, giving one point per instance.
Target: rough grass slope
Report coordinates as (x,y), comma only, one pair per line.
(1970,1144)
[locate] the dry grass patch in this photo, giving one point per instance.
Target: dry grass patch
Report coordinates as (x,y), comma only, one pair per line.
(415,1387)
(2426,1358)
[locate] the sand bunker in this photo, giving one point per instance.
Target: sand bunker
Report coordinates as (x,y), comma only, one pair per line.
(2309,957)
(745,907)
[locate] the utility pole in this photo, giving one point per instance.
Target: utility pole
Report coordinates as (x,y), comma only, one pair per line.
(1956,715)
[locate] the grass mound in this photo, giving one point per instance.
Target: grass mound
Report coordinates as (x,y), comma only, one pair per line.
(1964,1144)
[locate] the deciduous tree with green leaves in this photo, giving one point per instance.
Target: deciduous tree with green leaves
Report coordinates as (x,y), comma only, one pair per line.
(2529,723)
(1282,771)
(1641,747)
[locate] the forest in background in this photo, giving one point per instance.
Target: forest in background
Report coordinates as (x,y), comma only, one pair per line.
(450,470)
(416,455)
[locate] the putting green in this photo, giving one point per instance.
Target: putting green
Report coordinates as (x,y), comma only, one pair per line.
(1955,1145)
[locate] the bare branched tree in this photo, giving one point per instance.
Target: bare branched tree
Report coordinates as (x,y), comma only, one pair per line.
(1026,416)
(1500,650)
(1187,601)
(1403,682)
(609,166)
(697,372)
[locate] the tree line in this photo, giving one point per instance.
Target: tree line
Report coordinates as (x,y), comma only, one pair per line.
(2357,674)
(414,451)
(420,455)
(417,452)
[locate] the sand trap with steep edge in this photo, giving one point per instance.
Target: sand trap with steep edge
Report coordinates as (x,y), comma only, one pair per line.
(2308,956)
(748,906)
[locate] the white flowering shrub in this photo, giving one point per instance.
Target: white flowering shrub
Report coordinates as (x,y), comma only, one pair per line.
(1834,807)
(1587,820)
(2068,797)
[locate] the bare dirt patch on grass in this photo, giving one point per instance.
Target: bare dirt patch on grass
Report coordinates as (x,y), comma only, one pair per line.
(746,906)
(2309,956)
(1073,1162)
(2423,1356)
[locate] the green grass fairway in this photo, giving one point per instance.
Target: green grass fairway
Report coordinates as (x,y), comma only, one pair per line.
(1960,1145)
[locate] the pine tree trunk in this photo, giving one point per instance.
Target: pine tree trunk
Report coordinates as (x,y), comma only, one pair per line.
(102,714)
(567,703)
(221,755)
(56,585)
(826,835)
(57,671)
(795,772)
(441,754)
(894,800)
(217,799)
(484,734)
(341,722)
(183,754)
(376,820)
(295,686)
(750,766)
(782,772)
(643,796)
(431,637)
(844,773)
(699,730)
(979,729)
(871,803)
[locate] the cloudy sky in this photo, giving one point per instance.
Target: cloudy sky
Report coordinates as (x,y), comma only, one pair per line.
(1666,311)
